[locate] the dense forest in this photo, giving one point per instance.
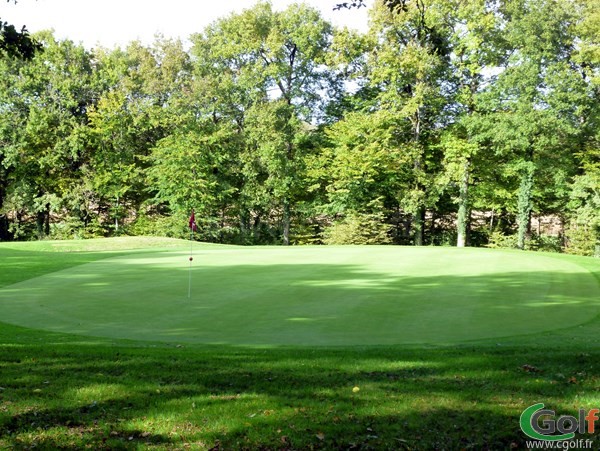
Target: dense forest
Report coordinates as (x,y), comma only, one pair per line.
(450,122)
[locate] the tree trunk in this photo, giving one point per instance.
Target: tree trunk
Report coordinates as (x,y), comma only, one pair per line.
(244,223)
(463,207)
(419,226)
(286,223)
(117,215)
(47,220)
(256,235)
(419,218)
(524,204)
(4,234)
(40,219)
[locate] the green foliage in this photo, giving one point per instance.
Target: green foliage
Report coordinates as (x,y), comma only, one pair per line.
(362,163)
(500,240)
(172,226)
(582,239)
(274,123)
(535,242)
(583,233)
(185,170)
(544,243)
(74,229)
(305,234)
(17,44)
(358,228)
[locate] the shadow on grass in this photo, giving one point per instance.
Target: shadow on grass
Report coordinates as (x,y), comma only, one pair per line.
(18,265)
(69,395)
(58,393)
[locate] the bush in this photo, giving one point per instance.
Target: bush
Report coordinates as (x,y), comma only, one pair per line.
(305,234)
(499,240)
(164,226)
(358,228)
(73,228)
(581,240)
(544,243)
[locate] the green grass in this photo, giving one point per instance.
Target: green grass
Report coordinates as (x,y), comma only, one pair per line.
(320,296)
(435,389)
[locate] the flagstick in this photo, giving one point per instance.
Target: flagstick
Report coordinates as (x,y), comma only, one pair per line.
(190,270)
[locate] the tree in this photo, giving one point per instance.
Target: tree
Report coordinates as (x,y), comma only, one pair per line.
(477,48)
(279,59)
(18,44)
(143,87)
(584,198)
(45,106)
(187,173)
(524,125)
(409,65)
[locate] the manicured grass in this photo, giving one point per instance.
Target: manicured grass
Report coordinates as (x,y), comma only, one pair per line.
(309,296)
(74,391)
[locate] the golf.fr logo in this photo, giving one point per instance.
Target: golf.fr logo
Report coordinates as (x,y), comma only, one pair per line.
(561,429)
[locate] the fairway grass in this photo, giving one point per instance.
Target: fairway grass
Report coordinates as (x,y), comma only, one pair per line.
(452,381)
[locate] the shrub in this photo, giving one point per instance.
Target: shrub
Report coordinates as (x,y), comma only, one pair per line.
(498,239)
(304,234)
(73,228)
(165,226)
(358,228)
(581,240)
(544,243)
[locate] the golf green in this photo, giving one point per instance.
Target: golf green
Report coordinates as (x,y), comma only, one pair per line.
(353,295)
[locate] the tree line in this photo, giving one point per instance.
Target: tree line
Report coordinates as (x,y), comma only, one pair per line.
(451,122)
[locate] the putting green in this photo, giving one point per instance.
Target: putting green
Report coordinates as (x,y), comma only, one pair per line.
(309,296)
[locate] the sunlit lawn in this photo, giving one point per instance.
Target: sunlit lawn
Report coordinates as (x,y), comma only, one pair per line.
(240,389)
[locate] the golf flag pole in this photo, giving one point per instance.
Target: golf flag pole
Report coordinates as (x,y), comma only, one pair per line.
(193,228)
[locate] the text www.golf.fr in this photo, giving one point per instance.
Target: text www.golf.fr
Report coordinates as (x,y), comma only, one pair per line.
(566,445)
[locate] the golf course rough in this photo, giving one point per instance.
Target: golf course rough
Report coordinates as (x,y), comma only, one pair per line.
(330,296)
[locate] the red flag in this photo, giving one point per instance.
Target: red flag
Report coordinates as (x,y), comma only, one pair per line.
(193,225)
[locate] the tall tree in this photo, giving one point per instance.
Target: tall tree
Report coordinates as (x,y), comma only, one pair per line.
(15,43)
(283,54)
(522,124)
(409,65)
(47,112)
(477,49)
(138,108)
(584,203)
